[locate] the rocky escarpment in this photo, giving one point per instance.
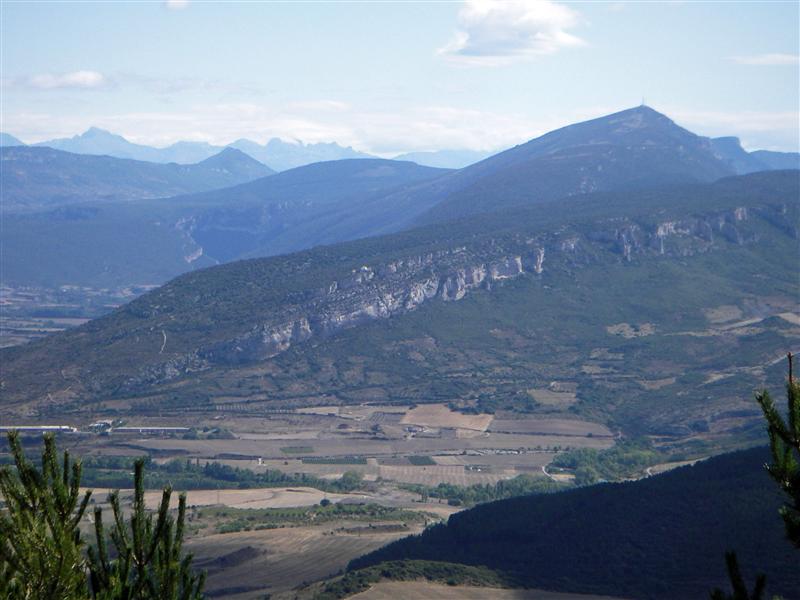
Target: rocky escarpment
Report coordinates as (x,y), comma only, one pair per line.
(382,291)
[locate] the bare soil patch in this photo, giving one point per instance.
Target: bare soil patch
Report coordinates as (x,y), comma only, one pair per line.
(280,559)
(439,415)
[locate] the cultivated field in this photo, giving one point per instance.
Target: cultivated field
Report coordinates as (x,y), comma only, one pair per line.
(423,590)
(250,553)
(545,426)
(439,415)
(251,564)
(255,498)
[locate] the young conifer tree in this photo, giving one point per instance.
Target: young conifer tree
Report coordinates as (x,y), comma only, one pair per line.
(148,563)
(784,442)
(41,552)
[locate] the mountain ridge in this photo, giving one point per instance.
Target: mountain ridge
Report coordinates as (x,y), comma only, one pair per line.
(275,153)
(633,148)
(521,273)
(42,176)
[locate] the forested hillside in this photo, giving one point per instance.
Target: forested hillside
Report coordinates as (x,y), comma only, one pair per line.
(661,537)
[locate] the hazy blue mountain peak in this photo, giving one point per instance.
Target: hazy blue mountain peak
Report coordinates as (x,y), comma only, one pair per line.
(6,139)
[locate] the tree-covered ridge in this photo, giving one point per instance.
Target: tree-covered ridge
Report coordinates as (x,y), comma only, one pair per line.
(661,537)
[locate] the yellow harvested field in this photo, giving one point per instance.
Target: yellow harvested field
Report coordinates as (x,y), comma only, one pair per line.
(792,318)
(526,461)
(436,474)
(254,498)
(548,397)
(251,564)
(544,426)
(319,410)
(423,590)
(439,415)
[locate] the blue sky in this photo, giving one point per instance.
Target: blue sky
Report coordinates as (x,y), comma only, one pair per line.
(396,76)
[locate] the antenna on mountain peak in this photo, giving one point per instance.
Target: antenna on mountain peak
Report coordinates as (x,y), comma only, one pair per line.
(643,103)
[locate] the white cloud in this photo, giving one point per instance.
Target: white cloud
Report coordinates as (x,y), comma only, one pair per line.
(73,80)
(767,59)
(769,130)
(321,105)
(176,4)
(496,32)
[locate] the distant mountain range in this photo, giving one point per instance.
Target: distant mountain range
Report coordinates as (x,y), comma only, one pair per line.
(326,202)
(445,159)
(36,177)
(282,155)
(278,154)
(9,140)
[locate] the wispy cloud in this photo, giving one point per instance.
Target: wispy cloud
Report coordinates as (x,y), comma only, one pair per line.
(492,33)
(769,130)
(76,80)
(176,4)
(767,59)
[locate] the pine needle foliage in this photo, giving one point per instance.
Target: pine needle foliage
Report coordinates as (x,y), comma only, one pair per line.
(784,441)
(42,554)
(40,544)
(737,582)
(784,444)
(148,565)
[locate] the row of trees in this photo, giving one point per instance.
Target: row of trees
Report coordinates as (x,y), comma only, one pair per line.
(43,555)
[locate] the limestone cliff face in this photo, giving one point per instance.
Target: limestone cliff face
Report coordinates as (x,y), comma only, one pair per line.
(382,291)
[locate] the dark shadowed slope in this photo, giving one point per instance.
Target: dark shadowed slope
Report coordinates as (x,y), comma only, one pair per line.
(322,203)
(661,537)
(36,177)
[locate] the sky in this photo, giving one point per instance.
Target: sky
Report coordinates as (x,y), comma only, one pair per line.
(390,77)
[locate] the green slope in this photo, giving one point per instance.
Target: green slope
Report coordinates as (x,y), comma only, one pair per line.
(683,376)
